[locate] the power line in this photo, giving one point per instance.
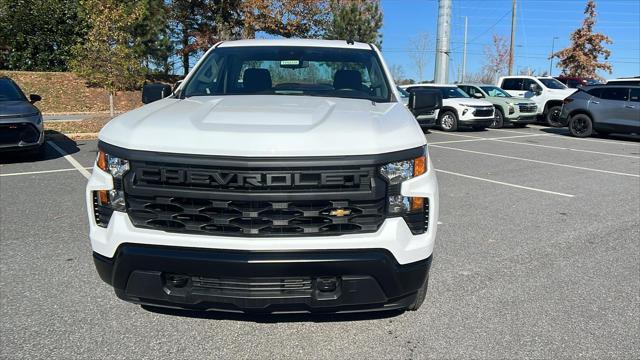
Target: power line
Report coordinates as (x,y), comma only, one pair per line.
(487,30)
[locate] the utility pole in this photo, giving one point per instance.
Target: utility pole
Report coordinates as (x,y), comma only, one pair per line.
(553,43)
(441,75)
(513,36)
(464,52)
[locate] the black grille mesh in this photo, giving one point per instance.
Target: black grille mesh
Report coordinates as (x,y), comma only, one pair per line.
(11,134)
(483,112)
(255,218)
(526,108)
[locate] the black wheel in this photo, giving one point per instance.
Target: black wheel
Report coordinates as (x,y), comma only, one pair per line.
(498,119)
(422,294)
(448,121)
(581,126)
(552,116)
(519,125)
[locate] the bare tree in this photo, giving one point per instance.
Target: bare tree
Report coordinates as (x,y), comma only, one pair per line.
(418,52)
(397,72)
(481,77)
(497,57)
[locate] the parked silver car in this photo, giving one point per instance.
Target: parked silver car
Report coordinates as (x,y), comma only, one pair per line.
(604,109)
(21,125)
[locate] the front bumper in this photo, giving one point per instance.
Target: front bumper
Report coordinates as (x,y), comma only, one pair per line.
(20,135)
(274,282)
(523,119)
(476,122)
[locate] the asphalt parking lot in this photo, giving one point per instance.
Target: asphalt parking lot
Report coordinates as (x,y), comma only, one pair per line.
(538,255)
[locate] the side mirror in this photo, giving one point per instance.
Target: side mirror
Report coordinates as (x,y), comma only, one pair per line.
(33,98)
(424,101)
(478,95)
(535,88)
(155,92)
(177,85)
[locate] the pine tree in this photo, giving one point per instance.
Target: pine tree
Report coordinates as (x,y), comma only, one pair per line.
(357,20)
(581,58)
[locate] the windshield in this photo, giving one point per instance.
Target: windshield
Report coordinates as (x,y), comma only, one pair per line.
(452,93)
(290,70)
(552,83)
(10,92)
(495,91)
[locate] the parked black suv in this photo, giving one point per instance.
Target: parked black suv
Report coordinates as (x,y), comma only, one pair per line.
(21,125)
(605,109)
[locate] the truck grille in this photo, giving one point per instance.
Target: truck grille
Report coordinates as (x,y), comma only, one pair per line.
(256,218)
(527,108)
(13,134)
(483,111)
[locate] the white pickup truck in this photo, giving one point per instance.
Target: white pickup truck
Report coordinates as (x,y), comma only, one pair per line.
(280,176)
(547,92)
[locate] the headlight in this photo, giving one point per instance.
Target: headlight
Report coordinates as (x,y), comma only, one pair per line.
(396,173)
(511,109)
(117,168)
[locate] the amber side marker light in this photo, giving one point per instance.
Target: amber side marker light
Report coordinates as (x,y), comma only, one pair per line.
(102,160)
(419,168)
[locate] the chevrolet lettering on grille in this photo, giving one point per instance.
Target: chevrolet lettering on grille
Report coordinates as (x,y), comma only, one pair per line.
(227,179)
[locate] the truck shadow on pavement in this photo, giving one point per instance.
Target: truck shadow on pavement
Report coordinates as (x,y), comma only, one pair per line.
(48,152)
(274,318)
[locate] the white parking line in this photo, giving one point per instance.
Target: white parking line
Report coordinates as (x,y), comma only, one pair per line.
(504,183)
(501,139)
(40,172)
(70,159)
(478,138)
(567,137)
(570,149)
(538,161)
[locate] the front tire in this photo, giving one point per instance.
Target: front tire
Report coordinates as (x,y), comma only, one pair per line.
(552,116)
(420,297)
(498,120)
(581,126)
(448,121)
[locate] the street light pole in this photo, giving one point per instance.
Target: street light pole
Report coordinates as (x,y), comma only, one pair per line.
(553,43)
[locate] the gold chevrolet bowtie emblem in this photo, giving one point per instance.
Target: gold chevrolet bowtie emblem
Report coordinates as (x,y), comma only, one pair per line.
(340,212)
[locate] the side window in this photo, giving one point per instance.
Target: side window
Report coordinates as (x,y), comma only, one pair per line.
(466,89)
(611,93)
(595,92)
(512,84)
(635,95)
(526,84)
(474,90)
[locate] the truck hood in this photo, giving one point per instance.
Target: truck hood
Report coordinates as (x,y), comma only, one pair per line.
(516,100)
(266,126)
(559,94)
(466,101)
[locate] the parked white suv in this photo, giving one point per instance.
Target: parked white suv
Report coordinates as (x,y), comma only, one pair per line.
(547,92)
(458,108)
(280,176)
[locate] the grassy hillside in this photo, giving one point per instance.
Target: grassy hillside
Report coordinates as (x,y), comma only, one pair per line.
(64,92)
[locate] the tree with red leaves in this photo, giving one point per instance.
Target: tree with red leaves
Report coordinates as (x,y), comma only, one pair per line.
(581,58)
